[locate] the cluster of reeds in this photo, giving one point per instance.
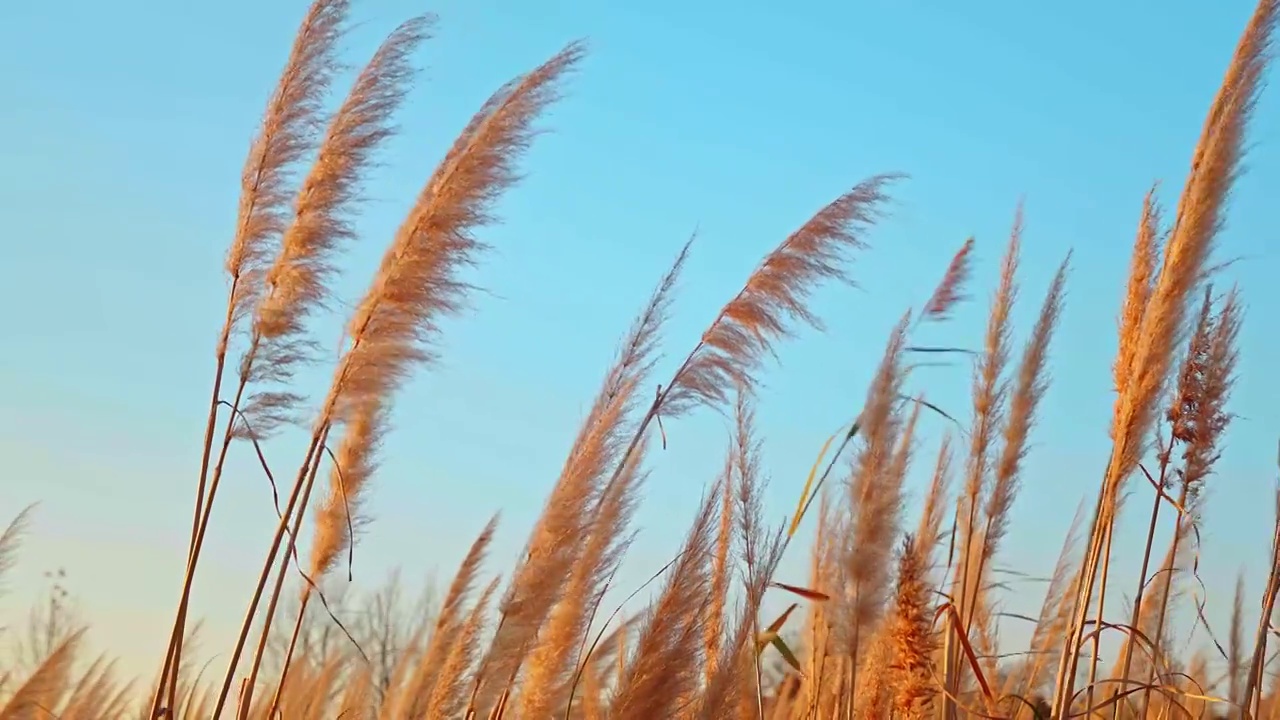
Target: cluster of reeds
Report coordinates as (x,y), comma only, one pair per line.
(898,618)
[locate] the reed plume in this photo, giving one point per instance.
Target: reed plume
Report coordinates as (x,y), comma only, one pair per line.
(910,635)
(950,291)
(874,502)
(989,394)
(1142,276)
(1235,649)
(44,688)
(558,655)
(885,459)
(870,647)
(575,521)
(449,695)
(746,328)
(289,131)
(1197,674)
(774,298)
(396,325)
(713,633)
(1214,168)
(869,695)
(929,533)
(735,687)
(1197,417)
(1030,384)
(358,694)
(11,539)
(1199,217)
(298,280)
(96,693)
(420,678)
(668,651)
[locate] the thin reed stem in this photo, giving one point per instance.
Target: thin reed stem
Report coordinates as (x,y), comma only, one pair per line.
(288,655)
(288,132)
(246,626)
(173,650)
(1214,168)
(1253,682)
(1165,596)
(1096,639)
(274,600)
(1126,661)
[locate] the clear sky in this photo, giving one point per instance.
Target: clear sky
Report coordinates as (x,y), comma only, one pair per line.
(123,127)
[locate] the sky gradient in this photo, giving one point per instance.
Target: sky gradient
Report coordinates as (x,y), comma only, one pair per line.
(123,130)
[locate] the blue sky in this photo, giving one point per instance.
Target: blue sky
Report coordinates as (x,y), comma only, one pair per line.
(124,128)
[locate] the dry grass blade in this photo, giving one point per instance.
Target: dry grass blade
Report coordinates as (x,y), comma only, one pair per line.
(1235,647)
(806,593)
(806,496)
(1152,661)
(1253,690)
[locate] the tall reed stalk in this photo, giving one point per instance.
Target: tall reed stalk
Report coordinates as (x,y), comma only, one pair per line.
(394,326)
(1191,240)
(288,133)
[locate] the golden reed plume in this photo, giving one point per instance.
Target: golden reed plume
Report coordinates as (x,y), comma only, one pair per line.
(395,326)
(290,130)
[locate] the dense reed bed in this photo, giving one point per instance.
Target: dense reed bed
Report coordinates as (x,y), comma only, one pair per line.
(898,616)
